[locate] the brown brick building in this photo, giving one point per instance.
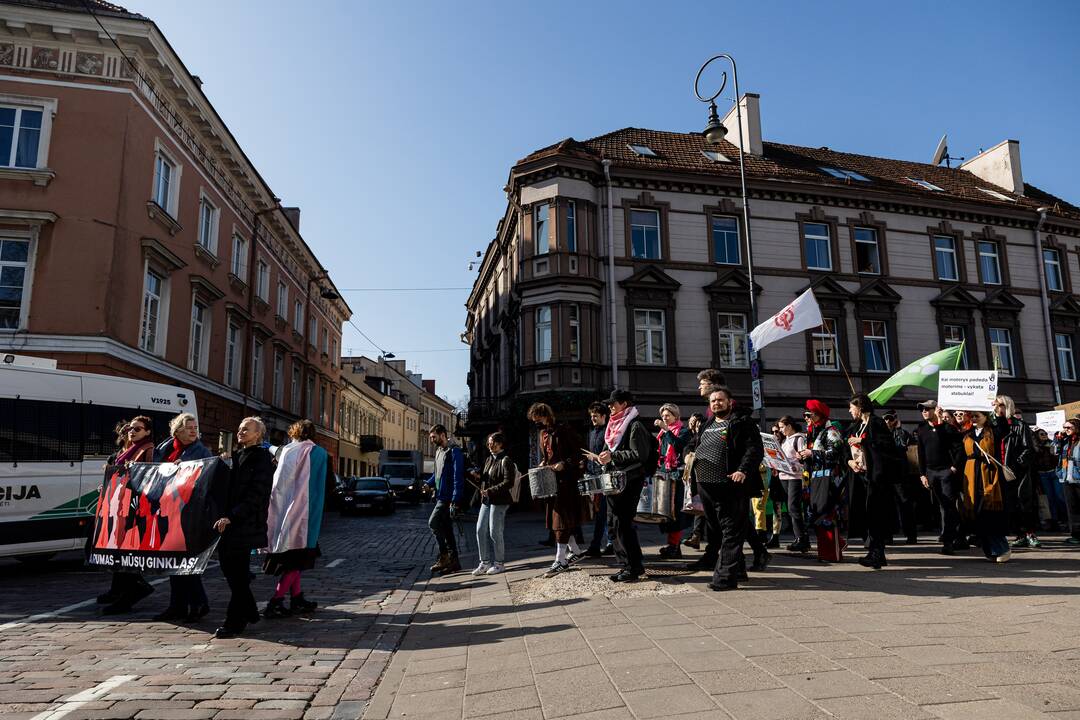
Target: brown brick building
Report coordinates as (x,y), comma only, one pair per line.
(137,237)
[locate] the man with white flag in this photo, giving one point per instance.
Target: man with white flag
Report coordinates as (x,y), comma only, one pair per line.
(803,314)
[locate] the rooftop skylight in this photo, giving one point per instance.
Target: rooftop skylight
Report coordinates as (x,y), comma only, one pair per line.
(642,150)
(995,193)
(845,174)
(926,184)
(716,156)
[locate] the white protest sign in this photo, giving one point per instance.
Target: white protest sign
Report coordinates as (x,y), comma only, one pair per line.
(774,456)
(1051,421)
(967,389)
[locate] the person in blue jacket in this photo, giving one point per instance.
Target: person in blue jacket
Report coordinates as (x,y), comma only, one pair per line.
(449,484)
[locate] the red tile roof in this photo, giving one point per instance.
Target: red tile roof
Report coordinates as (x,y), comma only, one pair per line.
(682,152)
(99,7)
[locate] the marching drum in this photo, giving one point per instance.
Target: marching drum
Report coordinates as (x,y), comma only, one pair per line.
(612,483)
(657,501)
(542,483)
(590,485)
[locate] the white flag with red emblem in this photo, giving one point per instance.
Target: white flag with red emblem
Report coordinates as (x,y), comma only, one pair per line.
(803,314)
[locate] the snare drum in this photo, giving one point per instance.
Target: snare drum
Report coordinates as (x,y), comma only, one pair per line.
(590,485)
(542,483)
(612,483)
(657,501)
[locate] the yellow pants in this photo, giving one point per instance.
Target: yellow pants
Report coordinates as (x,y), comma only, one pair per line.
(757,506)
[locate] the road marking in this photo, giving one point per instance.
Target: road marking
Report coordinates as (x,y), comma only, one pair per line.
(335,563)
(77,700)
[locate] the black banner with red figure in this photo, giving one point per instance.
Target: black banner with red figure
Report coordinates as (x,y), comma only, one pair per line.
(155,518)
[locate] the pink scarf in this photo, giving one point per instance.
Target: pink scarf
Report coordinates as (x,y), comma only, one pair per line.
(616,426)
(133,452)
(671,458)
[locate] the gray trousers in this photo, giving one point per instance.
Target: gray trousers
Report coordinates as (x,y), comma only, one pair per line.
(793,488)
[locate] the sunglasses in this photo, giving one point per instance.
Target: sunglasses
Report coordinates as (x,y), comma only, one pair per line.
(135,428)
(1068,427)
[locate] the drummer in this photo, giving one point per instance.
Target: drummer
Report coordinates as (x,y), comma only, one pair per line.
(628,448)
(672,438)
(560,450)
(600,545)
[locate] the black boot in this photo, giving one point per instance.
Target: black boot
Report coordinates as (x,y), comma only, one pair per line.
(761,561)
(299,605)
(801,545)
(276,609)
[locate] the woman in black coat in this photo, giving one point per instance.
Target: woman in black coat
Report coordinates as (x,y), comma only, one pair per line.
(243,524)
(874,463)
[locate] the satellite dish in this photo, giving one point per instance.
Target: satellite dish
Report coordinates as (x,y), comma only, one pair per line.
(942,150)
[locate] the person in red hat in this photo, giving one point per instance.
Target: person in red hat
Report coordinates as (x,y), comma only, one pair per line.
(823,459)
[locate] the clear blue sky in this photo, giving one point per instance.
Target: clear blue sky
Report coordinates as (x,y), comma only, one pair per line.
(393,125)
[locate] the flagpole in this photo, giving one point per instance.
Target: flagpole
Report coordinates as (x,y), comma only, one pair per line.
(832,339)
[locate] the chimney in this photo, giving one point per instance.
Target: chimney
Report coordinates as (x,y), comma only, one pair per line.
(1000,165)
(293,213)
(398,365)
(751,122)
(429,386)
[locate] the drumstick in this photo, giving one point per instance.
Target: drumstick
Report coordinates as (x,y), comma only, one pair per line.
(591,455)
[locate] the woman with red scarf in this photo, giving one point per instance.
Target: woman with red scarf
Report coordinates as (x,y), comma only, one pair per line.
(137,446)
(672,439)
(187,598)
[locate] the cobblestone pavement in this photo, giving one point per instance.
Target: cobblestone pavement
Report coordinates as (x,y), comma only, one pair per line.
(77,664)
(927,637)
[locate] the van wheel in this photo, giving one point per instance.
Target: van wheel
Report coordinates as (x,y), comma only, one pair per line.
(35,559)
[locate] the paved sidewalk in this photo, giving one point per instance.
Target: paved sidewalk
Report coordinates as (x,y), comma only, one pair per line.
(928,637)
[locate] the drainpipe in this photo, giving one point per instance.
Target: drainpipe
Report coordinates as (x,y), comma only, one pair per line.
(612,322)
(1045,302)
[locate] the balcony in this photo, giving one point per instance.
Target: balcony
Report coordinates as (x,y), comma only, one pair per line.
(370,443)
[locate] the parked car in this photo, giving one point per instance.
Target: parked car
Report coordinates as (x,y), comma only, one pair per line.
(367,493)
(335,493)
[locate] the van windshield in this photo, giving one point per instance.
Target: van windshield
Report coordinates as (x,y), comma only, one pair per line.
(399,471)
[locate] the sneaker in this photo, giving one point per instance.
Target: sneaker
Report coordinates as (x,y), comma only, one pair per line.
(573,558)
(671,551)
(1004,558)
(1034,542)
(694,541)
(626,576)
(556,568)
(495,569)
(481,569)
(1021,542)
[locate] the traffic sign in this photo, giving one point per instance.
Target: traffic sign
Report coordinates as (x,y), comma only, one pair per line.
(756,385)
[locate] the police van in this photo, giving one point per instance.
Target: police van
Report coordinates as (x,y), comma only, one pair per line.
(57,429)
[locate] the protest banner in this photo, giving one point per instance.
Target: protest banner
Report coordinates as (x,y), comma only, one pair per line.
(157,518)
(967,389)
(774,456)
(1051,421)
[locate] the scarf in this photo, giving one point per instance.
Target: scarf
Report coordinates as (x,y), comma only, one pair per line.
(616,426)
(671,458)
(177,450)
(133,452)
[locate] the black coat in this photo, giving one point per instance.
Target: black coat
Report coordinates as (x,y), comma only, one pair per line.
(884,462)
(745,451)
(247,500)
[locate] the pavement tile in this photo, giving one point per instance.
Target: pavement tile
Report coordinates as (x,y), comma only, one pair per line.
(1045,697)
(570,692)
(797,662)
(501,701)
(841,649)
(557,661)
(780,704)
(877,707)
(432,681)
(648,677)
(887,666)
(668,701)
(623,643)
(837,683)
(932,689)
(937,655)
(985,710)
(745,678)
(765,646)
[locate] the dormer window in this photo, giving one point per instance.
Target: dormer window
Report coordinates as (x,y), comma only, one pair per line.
(642,151)
(925,184)
(845,174)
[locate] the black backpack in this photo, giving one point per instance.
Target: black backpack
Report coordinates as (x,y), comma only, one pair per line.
(652,462)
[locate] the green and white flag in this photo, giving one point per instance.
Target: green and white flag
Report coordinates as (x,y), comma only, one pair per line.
(921,373)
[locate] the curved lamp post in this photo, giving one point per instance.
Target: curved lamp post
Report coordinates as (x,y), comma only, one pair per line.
(714,133)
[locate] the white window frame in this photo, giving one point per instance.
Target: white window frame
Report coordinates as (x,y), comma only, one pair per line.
(48,108)
(257,352)
(313,331)
(659,234)
(827,237)
(262,280)
(1006,364)
(294,389)
(282,300)
(826,333)
(172,199)
(571,226)
(162,320)
(1066,358)
(868,339)
(234,344)
(298,316)
(239,264)
(208,231)
(541,231)
(996,255)
(28,271)
(653,332)
(325,341)
(333,352)
(573,313)
(279,378)
(951,253)
(543,335)
(725,233)
(1055,263)
(734,334)
(876,242)
(953,342)
(198,345)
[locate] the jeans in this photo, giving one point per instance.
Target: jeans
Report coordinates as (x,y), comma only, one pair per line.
(995,545)
(621,511)
(442,527)
(235,566)
(489,533)
(793,489)
(1055,496)
(599,534)
(727,517)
